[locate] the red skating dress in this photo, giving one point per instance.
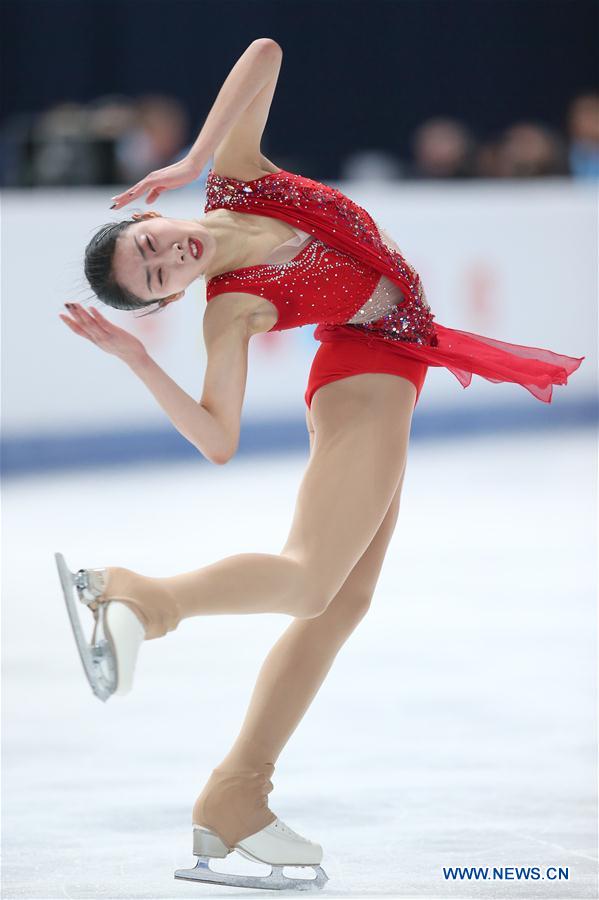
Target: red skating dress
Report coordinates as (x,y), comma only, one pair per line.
(367,300)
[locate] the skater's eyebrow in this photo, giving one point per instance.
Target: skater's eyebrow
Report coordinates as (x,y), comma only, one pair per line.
(140,248)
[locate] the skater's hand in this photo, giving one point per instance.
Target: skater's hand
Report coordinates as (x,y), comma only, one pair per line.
(103,333)
(156,182)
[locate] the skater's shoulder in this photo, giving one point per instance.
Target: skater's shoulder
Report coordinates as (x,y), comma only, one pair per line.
(234,310)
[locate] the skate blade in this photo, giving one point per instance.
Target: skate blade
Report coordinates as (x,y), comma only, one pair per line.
(98,659)
(275,881)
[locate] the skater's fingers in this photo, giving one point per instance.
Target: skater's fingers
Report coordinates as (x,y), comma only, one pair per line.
(74,327)
(72,324)
(133,193)
(104,324)
(154,195)
(91,328)
(99,316)
(69,322)
(77,310)
(84,318)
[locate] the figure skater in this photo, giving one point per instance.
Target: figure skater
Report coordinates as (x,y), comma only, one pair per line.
(277,250)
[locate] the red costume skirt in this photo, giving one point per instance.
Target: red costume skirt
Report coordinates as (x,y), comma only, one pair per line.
(340,356)
(350,350)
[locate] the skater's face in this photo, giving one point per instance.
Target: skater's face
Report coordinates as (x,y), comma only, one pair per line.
(159,257)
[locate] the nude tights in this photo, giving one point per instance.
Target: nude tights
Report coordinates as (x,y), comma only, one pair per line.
(234,801)
(326,539)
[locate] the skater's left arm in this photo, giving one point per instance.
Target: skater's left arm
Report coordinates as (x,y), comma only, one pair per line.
(213,423)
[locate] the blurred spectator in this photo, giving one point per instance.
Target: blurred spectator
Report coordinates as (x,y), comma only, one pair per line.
(528,150)
(443,148)
(155,139)
(111,117)
(583,131)
(112,140)
(371,165)
(61,150)
(116,140)
(487,159)
(16,150)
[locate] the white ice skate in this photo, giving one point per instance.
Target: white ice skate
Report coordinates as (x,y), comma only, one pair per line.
(110,655)
(277,845)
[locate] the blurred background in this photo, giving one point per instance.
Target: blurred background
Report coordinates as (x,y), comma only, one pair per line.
(470,131)
(432,89)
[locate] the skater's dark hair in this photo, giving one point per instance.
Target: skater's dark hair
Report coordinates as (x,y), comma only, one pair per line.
(99,255)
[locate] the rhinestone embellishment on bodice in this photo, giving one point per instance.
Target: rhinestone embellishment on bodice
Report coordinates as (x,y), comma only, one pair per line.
(341,284)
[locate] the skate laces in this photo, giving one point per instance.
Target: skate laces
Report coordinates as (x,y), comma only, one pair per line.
(287,831)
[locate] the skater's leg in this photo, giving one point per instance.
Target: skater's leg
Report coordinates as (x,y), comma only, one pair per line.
(362,431)
(298,663)
(234,801)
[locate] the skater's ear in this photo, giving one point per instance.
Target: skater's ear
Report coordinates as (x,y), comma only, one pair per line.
(150,214)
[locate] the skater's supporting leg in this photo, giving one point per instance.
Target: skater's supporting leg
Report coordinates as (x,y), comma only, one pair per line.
(362,429)
(234,801)
(298,663)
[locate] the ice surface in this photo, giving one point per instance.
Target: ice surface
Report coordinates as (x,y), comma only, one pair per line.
(456,727)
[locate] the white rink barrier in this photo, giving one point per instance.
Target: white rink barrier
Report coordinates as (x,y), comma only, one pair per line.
(513,260)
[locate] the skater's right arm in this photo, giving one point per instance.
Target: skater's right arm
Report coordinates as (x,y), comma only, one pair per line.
(228,326)
(212,424)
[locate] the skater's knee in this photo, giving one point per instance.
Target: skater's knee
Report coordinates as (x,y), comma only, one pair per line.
(347,609)
(356,606)
(307,597)
(344,612)
(313,603)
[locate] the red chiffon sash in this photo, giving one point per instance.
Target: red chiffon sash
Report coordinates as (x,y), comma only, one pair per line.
(464,354)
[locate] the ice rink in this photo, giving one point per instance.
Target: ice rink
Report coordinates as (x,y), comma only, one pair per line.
(456,728)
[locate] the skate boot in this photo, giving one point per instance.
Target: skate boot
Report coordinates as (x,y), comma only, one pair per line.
(109,657)
(276,844)
(232,814)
